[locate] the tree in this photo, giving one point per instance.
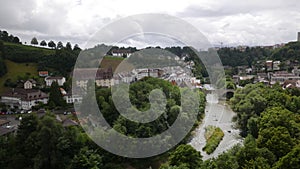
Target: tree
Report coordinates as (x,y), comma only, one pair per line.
(4,36)
(43,43)
(16,40)
(87,159)
(55,97)
(3,68)
(26,143)
(291,160)
(252,126)
(49,138)
(60,45)
(277,140)
(34,41)
(76,48)
(51,44)
(185,154)
(69,46)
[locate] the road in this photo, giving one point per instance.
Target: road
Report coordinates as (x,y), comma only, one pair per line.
(220,115)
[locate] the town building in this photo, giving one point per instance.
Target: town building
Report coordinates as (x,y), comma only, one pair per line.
(291,84)
(269,65)
(70,98)
(43,73)
(60,80)
(29,84)
(102,77)
(5,131)
(276,65)
(4,123)
(281,77)
(121,53)
(24,98)
(141,73)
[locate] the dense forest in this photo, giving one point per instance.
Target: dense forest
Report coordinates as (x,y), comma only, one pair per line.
(44,143)
(270,122)
(3,68)
(290,51)
(269,119)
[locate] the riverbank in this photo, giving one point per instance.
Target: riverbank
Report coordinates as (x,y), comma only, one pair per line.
(220,115)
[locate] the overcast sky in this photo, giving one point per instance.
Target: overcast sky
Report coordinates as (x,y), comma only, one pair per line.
(232,22)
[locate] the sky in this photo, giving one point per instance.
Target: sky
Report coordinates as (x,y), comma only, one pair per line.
(226,22)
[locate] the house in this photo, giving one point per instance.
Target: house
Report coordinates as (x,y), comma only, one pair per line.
(125,77)
(121,53)
(237,79)
(69,122)
(269,65)
(60,80)
(276,65)
(43,73)
(102,77)
(291,84)
(195,82)
(29,84)
(141,73)
(4,122)
(262,78)
(282,76)
(24,98)
(4,131)
(70,98)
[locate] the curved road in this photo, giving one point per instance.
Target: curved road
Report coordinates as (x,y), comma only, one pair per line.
(216,114)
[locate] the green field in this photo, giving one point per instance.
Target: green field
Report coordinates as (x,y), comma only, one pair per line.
(15,70)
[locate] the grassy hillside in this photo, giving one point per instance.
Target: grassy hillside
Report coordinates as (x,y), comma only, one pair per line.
(24,53)
(45,51)
(15,70)
(108,61)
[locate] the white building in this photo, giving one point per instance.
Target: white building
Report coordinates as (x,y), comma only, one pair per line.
(121,53)
(60,80)
(102,77)
(281,77)
(276,65)
(24,98)
(29,84)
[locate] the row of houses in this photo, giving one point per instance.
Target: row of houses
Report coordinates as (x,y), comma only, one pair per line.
(28,96)
(283,78)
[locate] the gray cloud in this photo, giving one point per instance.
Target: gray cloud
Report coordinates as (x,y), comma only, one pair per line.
(233,7)
(232,22)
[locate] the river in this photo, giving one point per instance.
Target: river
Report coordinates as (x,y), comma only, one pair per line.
(220,115)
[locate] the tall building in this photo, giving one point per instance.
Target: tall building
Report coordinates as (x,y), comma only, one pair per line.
(298,37)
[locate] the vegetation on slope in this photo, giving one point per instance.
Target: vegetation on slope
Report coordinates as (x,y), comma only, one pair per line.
(17,71)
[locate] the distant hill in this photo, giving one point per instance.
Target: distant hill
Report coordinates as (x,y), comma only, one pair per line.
(291,51)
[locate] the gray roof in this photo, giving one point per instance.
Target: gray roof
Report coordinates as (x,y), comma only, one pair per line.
(4,130)
(26,94)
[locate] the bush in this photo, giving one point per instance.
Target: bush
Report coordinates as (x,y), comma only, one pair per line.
(213,136)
